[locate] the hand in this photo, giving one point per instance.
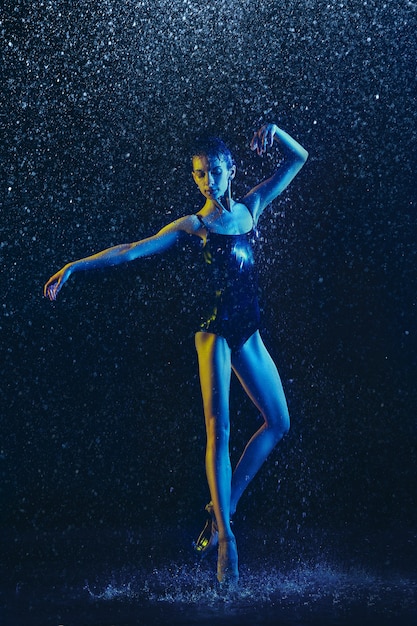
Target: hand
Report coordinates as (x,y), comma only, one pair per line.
(263,138)
(55,283)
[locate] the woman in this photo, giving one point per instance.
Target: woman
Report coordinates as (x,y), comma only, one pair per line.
(228,338)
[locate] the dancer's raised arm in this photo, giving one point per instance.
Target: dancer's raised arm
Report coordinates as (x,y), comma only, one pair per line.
(294,158)
(164,239)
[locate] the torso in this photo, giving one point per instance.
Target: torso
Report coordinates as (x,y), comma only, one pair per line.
(228,274)
(237,222)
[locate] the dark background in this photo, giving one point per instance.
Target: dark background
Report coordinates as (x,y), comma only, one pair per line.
(101,415)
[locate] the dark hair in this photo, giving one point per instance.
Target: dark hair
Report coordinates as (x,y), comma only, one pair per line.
(212,147)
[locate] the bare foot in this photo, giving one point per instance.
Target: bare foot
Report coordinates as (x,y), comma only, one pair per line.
(227,561)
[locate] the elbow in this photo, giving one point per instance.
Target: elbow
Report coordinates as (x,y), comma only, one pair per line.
(298,162)
(122,254)
(300,159)
(303,155)
(129,252)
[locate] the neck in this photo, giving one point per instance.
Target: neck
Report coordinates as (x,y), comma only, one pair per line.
(225,203)
(222,206)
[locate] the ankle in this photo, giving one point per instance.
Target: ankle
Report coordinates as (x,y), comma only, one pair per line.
(227,537)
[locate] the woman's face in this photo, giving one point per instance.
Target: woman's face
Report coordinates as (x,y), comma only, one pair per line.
(212,175)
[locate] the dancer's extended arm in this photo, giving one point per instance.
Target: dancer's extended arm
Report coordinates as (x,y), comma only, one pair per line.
(164,239)
(294,158)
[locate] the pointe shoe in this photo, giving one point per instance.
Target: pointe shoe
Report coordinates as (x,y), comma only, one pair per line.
(209,536)
(227,561)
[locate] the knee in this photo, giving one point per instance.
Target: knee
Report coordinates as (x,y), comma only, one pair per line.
(279,424)
(285,425)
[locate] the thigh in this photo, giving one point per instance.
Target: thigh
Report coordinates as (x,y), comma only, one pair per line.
(258,374)
(214,361)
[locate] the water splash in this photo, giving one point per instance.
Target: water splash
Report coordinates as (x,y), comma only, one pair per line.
(308,586)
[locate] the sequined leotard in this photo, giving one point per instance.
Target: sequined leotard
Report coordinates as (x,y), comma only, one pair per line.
(233,309)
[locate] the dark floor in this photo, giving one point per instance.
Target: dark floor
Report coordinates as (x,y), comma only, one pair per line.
(87,577)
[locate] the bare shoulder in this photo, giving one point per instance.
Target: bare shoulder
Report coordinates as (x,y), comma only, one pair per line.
(190,224)
(245,212)
(249,201)
(187,224)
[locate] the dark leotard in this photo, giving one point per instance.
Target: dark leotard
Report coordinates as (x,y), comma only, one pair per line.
(233,309)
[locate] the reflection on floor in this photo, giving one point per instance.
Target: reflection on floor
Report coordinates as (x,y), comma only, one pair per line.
(129,577)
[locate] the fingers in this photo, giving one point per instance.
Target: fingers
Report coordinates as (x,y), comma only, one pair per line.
(254,142)
(51,290)
(54,284)
(263,138)
(52,287)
